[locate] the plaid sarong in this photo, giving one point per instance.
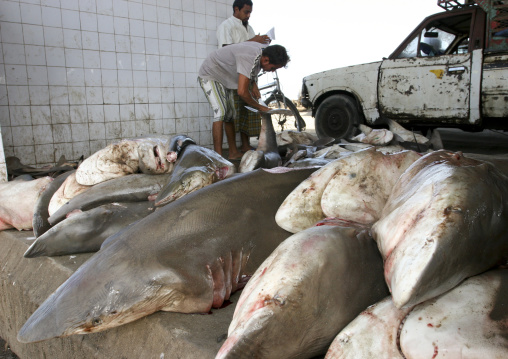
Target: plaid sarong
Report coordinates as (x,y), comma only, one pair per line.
(245,121)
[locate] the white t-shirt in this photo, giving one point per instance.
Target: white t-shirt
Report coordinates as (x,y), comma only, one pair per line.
(232,31)
(223,65)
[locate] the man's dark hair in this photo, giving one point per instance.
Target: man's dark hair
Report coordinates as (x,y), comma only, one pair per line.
(277,55)
(241,3)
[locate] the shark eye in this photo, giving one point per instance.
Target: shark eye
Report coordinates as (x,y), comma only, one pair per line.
(96,321)
(454,209)
(279,300)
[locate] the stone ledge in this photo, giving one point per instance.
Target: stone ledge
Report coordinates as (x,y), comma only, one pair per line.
(26,282)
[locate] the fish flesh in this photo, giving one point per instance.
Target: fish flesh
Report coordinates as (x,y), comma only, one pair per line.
(84,232)
(378,137)
(305,292)
(334,151)
(40,222)
(149,155)
(469,321)
(360,188)
(445,220)
(132,188)
(17,202)
(290,136)
(373,334)
(195,168)
(403,135)
(187,256)
(302,208)
(354,187)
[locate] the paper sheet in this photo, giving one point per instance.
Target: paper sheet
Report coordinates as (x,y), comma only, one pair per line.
(271,33)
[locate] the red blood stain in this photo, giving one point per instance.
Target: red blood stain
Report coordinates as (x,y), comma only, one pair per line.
(436,351)
(225,304)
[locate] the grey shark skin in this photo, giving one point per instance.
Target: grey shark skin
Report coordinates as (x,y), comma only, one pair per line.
(132,188)
(179,142)
(445,220)
(310,287)
(86,231)
(196,167)
(40,222)
(187,257)
(267,154)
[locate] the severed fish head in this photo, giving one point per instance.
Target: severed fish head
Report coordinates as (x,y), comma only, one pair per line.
(155,156)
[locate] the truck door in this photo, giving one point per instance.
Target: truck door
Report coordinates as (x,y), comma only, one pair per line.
(430,78)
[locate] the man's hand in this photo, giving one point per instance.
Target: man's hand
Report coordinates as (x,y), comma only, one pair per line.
(255,91)
(246,95)
(262,39)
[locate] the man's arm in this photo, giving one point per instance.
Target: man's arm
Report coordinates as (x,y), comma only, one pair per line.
(262,39)
(223,36)
(243,92)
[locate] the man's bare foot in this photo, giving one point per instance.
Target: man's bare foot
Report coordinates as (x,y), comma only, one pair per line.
(235,155)
(247,148)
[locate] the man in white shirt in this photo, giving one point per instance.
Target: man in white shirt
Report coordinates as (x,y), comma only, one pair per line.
(233,70)
(234,30)
(237,29)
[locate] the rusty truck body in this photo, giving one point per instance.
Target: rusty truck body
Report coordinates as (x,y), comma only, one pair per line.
(451,71)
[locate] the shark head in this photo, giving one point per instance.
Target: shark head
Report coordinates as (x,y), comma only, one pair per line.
(155,156)
(109,290)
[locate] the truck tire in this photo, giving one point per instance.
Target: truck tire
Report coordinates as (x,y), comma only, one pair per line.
(337,117)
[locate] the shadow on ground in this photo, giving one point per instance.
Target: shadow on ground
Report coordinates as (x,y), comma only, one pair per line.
(5,351)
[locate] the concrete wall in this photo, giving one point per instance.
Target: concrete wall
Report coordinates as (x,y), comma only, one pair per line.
(76,75)
(3,166)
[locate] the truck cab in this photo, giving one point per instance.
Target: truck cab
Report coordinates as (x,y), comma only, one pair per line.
(451,71)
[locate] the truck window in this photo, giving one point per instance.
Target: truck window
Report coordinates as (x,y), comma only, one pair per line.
(411,49)
(435,42)
(446,35)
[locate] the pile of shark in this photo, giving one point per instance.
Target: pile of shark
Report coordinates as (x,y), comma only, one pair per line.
(342,250)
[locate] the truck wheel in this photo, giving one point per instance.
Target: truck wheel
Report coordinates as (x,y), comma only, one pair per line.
(337,117)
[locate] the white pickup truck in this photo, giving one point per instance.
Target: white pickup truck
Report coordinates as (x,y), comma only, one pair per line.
(451,71)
